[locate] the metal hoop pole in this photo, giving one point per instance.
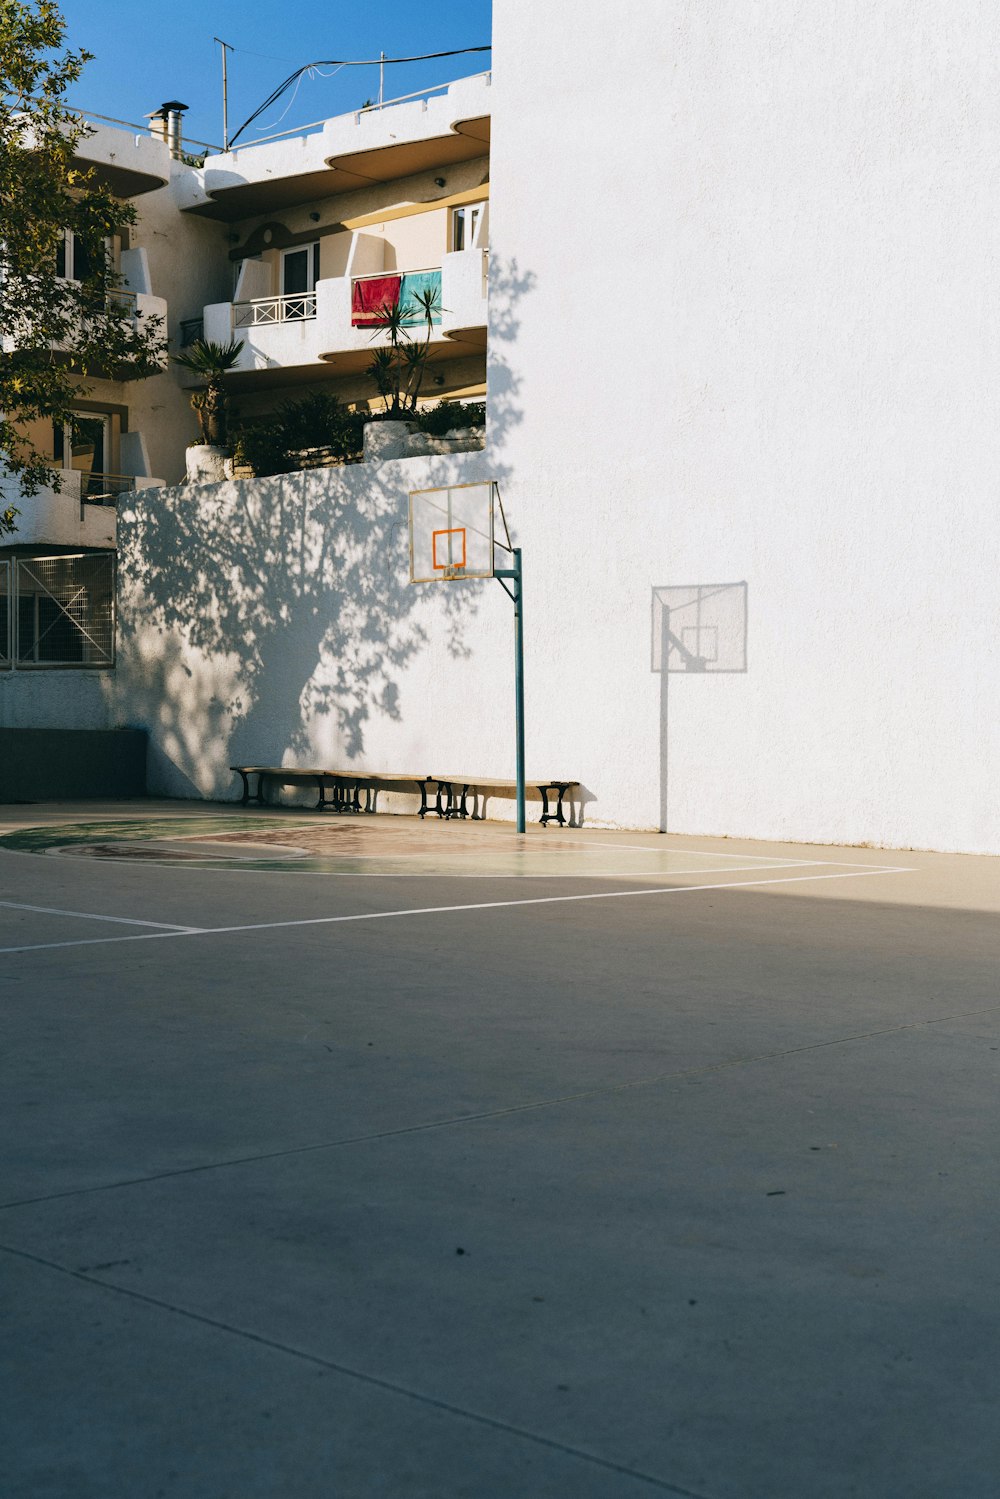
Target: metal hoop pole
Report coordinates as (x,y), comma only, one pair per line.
(516,593)
(519,683)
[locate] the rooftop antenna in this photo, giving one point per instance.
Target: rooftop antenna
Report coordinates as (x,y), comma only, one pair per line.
(381,78)
(226,47)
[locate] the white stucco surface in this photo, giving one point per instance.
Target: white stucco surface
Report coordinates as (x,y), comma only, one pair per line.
(272,622)
(780,224)
(56,517)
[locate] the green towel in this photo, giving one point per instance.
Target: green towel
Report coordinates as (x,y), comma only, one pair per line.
(418,283)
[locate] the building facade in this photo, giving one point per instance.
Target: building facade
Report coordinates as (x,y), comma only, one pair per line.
(740,376)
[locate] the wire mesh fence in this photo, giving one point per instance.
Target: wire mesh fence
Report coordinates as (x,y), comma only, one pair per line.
(6,623)
(60,611)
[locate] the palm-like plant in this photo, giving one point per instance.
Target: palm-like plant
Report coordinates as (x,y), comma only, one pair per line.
(212,361)
(397,368)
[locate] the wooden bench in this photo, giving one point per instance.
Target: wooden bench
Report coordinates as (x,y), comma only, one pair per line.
(445,796)
(345,786)
(453,792)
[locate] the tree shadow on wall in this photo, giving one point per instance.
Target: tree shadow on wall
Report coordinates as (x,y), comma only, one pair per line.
(254,610)
(509,286)
(272,619)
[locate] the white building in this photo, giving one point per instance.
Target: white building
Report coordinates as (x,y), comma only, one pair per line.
(742,367)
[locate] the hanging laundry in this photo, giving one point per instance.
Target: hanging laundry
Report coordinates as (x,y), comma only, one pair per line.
(417,284)
(370,296)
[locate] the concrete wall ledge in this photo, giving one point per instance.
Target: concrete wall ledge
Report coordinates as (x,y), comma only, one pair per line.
(386,440)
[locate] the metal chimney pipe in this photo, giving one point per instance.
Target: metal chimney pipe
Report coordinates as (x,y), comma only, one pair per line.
(173,111)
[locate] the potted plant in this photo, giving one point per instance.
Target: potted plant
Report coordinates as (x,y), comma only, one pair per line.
(397,367)
(211,361)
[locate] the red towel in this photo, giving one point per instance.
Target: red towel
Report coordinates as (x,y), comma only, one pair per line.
(369,297)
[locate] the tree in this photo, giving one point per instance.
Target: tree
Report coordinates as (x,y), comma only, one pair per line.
(397,368)
(212,362)
(54,330)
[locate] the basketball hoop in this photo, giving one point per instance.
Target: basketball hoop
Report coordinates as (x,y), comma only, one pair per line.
(453,537)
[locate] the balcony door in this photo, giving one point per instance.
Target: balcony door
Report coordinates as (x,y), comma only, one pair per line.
(299,270)
(465,220)
(84,444)
(73,259)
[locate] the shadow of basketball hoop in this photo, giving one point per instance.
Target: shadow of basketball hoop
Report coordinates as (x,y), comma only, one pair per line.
(697,629)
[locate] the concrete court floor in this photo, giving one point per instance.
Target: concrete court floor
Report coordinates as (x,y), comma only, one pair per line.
(692,1190)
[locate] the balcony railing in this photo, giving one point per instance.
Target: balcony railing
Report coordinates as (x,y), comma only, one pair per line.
(124,303)
(291,309)
(192,329)
(104,489)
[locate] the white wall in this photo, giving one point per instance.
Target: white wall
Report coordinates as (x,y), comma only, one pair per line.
(272,622)
(743,316)
(188,266)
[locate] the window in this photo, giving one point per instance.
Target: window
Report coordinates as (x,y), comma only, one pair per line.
(58,611)
(465,225)
(84,444)
(299,270)
(73,259)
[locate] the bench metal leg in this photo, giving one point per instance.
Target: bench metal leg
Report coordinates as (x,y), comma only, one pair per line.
(559,788)
(442,797)
(248,795)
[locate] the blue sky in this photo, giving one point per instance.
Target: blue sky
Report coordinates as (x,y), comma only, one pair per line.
(147,55)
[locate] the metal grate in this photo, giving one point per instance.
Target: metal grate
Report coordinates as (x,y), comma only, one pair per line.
(64,610)
(192,329)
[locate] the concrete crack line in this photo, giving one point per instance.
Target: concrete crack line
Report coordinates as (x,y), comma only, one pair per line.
(390,1386)
(608,1091)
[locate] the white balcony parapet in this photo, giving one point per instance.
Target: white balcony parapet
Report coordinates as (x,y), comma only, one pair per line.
(81,512)
(255,176)
(293,331)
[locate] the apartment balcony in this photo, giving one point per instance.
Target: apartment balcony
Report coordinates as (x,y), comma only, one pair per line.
(429,132)
(128,163)
(131,306)
(330,326)
(81,513)
(136,306)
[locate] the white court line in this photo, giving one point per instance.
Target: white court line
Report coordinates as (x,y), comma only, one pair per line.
(168,926)
(696,853)
(489,905)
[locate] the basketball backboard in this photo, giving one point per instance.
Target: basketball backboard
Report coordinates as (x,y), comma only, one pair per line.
(451,533)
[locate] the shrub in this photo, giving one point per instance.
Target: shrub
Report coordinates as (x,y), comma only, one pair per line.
(299,434)
(450,416)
